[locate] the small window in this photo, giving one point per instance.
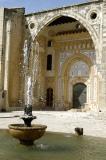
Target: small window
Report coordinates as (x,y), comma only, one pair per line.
(93,15)
(49,62)
(49,43)
(32,25)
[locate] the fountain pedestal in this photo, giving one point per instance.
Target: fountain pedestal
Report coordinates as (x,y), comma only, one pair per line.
(27,120)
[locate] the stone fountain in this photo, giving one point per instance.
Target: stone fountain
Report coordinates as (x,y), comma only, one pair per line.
(27,133)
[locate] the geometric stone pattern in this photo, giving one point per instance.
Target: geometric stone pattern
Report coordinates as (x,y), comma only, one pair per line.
(79,68)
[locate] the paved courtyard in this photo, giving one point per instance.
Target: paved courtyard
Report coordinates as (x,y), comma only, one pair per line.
(93,122)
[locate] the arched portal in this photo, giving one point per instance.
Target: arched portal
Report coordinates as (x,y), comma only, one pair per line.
(79,95)
(73,54)
(77,70)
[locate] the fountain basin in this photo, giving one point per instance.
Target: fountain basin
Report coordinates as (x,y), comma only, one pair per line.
(27,135)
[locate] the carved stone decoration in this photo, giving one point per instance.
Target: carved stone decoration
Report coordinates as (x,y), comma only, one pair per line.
(93,16)
(63,58)
(79,68)
(91,54)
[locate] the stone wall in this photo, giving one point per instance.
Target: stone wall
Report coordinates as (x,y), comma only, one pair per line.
(14,39)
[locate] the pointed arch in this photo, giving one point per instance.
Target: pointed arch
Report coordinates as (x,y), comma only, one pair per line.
(50,18)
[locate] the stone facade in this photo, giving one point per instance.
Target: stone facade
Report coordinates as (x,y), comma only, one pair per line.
(69,44)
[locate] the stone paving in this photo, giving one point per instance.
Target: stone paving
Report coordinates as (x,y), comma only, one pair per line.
(93,122)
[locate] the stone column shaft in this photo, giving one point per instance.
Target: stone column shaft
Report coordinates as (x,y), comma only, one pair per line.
(7,54)
(1,47)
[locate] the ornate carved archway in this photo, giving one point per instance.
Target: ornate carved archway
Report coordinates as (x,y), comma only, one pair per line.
(51,17)
(68,82)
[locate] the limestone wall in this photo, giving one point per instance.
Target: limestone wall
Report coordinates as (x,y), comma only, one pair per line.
(14,33)
(103,62)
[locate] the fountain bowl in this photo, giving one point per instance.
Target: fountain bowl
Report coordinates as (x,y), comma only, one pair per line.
(27,135)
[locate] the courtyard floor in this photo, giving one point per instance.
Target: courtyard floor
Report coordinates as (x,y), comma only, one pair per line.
(93,122)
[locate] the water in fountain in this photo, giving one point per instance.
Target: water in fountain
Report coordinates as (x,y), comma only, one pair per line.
(30,78)
(35,68)
(29,91)
(28,83)
(26,132)
(35,64)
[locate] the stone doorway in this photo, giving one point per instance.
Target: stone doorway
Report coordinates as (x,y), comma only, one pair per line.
(79,95)
(49,97)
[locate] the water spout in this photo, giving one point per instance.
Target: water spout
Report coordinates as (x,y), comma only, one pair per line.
(30,77)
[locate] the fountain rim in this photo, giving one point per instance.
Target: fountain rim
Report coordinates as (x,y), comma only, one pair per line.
(23,127)
(27,117)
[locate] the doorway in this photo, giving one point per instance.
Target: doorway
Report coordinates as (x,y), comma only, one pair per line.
(79,95)
(49,97)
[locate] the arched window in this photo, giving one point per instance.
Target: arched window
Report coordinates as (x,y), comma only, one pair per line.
(49,62)
(49,43)
(49,97)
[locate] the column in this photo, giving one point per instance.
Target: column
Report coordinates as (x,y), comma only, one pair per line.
(70,93)
(60,92)
(7,53)
(1,57)
(88,92)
